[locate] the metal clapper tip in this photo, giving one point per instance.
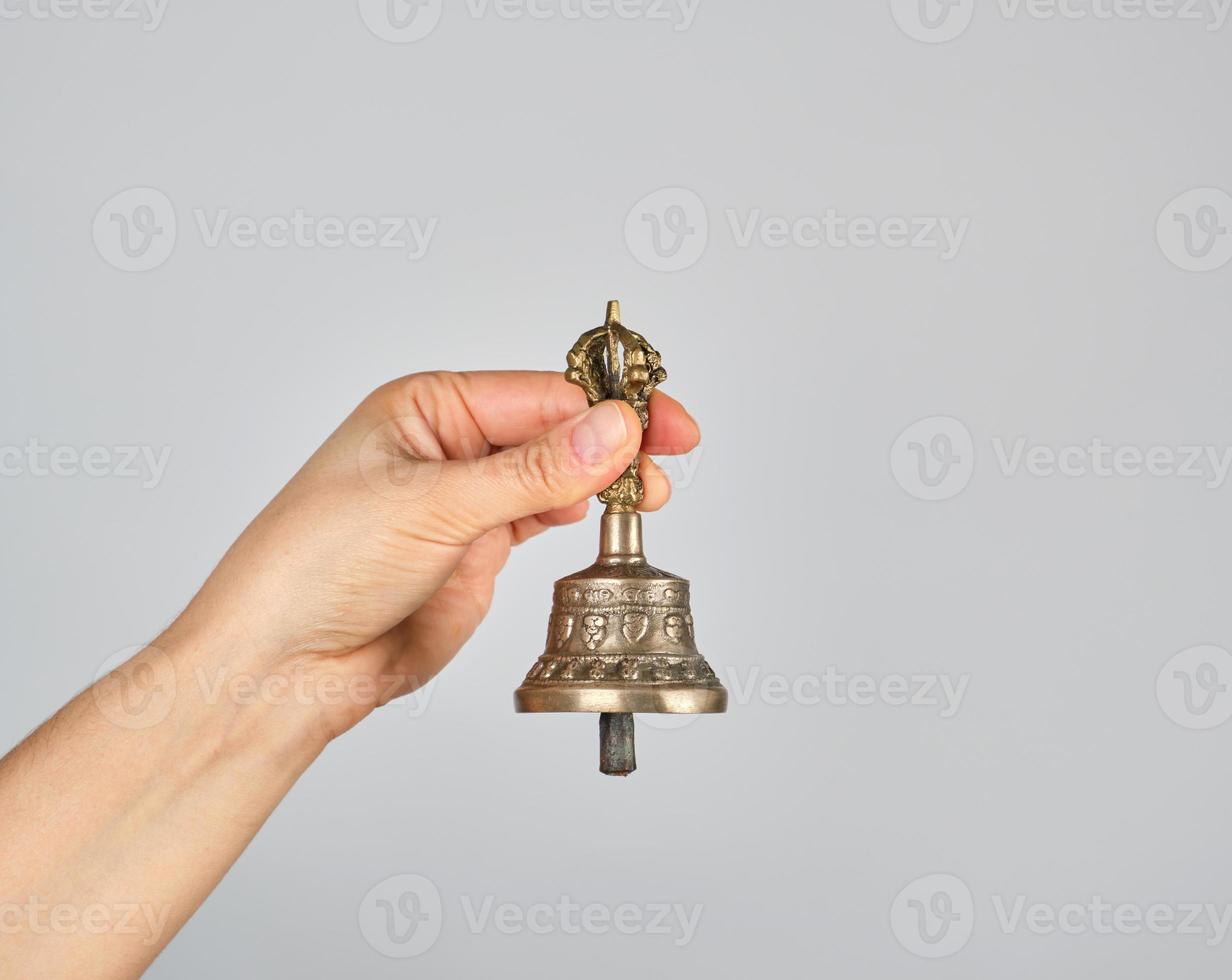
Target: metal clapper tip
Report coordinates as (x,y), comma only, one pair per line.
(616,755)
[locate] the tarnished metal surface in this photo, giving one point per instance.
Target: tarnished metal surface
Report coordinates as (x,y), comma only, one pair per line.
(621,633)
(621,638)
(616,754)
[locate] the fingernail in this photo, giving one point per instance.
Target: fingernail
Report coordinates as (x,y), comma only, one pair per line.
(600,433)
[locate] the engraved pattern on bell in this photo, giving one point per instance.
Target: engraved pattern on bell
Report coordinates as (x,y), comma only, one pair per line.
(619,629)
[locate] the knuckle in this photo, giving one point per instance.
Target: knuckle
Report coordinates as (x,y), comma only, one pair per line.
(406,393)
(538,472)
(430,382)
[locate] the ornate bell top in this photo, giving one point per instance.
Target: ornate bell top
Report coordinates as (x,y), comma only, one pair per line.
(613,362)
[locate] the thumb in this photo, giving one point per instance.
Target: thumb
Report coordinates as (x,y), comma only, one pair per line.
(569,463)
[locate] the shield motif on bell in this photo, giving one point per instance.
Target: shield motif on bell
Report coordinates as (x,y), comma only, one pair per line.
(635,626)
(594,628)
(673,626)
(564,626)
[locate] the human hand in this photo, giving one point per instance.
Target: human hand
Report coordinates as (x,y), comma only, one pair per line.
(377,561)
(374,564)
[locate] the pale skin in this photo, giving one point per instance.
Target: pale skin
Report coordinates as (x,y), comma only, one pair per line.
(358,583)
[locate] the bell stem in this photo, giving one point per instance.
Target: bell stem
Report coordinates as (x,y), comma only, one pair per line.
(620,537)
(616,755)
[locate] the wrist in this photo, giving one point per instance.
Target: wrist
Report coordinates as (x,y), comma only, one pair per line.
(201,691)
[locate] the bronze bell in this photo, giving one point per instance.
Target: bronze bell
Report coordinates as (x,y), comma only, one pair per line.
(620,635)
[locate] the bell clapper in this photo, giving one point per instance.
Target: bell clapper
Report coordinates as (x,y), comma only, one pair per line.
(616,755)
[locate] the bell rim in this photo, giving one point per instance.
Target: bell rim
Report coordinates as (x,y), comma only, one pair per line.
(649,700)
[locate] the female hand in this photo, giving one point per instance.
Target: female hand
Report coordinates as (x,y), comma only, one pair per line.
(378,560)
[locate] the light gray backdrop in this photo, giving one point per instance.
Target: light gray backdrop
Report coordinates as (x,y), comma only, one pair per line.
(931,464)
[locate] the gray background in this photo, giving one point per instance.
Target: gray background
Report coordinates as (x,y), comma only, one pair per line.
(795,824)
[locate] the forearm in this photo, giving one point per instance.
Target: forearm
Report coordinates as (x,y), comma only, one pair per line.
(123,811)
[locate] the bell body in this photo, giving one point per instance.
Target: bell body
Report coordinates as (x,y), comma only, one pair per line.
(620,638)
